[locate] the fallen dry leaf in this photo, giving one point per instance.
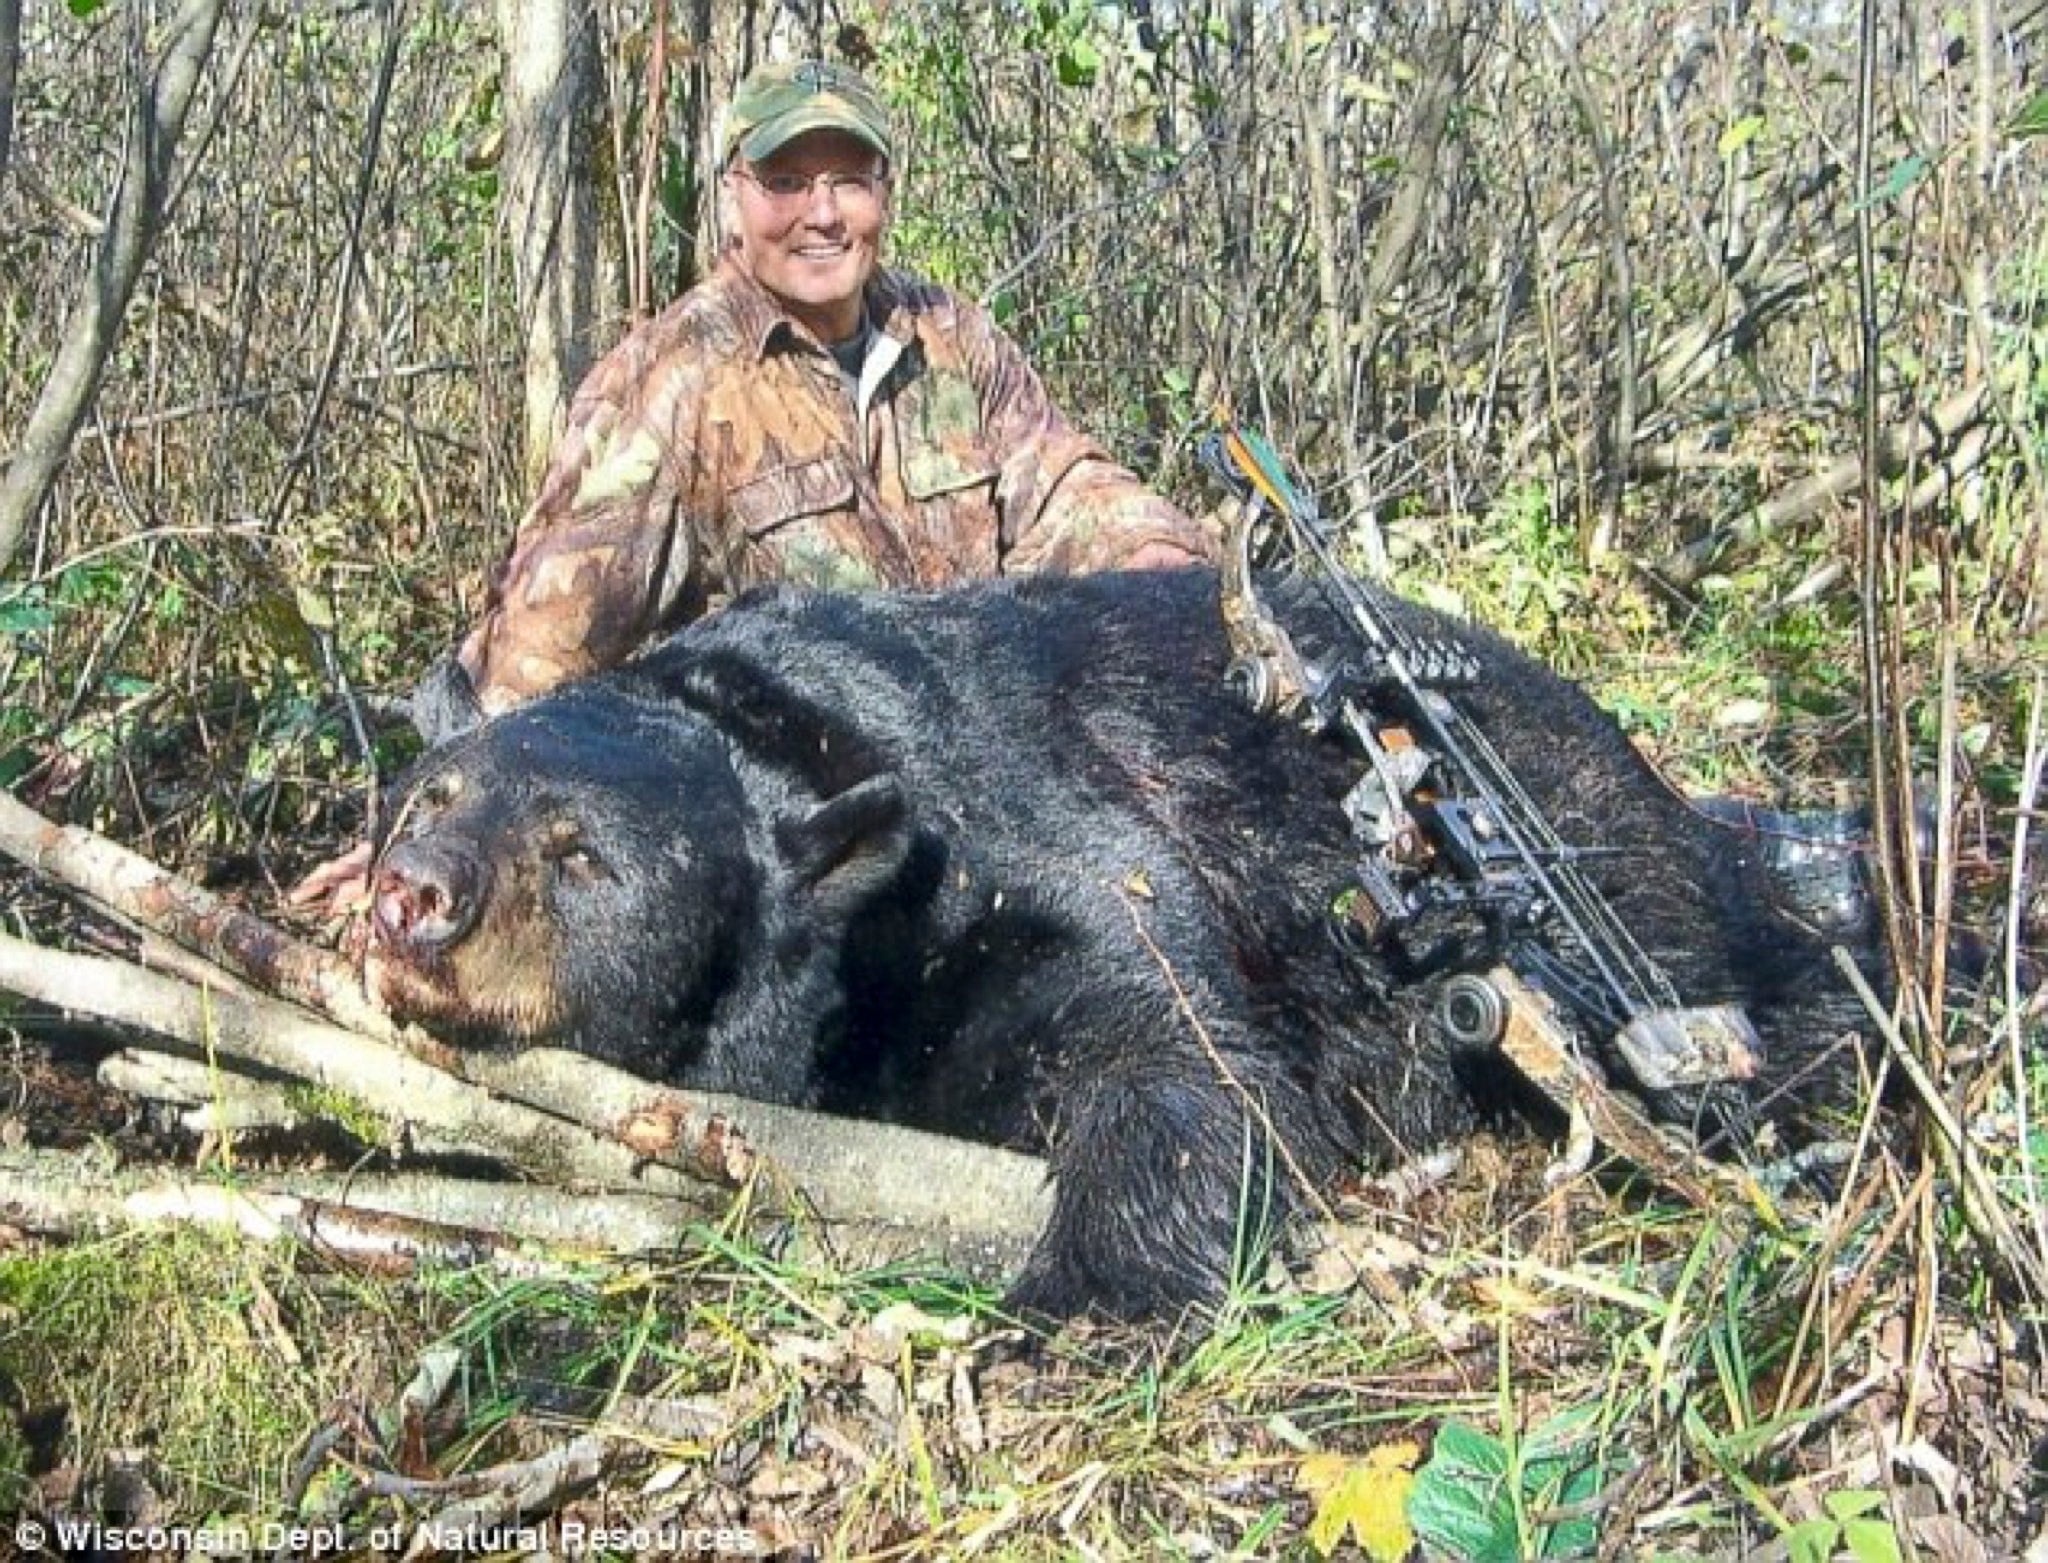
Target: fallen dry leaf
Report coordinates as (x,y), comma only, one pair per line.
(1368,1499)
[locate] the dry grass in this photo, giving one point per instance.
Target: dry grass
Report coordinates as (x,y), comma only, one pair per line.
(1701,1384)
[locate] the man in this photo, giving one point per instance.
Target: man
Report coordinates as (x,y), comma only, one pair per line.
(803,415)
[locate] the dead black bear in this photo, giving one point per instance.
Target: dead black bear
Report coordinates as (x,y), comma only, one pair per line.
(1012,862)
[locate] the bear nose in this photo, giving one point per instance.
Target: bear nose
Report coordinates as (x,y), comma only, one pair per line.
(427,895)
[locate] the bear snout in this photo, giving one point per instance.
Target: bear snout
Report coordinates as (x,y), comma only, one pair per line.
(427,896)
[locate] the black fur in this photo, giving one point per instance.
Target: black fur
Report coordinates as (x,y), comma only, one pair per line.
(1011,862)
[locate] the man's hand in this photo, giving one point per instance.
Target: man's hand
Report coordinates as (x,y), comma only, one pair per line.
(343,883)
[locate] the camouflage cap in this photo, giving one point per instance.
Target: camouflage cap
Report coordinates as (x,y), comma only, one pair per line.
(778,103)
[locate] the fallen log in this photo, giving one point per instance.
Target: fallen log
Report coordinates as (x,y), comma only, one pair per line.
(239,945)
(403,1090)
(388,1222)
(847,1169)
(1935,430)
(128,884)
(214,1101)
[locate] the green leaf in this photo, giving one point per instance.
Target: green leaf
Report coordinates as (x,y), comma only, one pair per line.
(1905,174)
(1872,1541)
(1559,1473)
(1078,63)
(23,613)
(1563,1435)
(1467,1448)
(94,583)
(1856,1515)
(1462,1523)
(1739,135)
(85,10)
(1853,1503)
(1812,1541)
(2032,120)
(1460,1503)
(2036,1150)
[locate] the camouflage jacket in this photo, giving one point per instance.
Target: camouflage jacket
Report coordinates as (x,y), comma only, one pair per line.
(718,448)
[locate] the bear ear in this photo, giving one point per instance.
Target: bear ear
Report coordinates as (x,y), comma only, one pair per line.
(849,846)
(445,705)
(767,717)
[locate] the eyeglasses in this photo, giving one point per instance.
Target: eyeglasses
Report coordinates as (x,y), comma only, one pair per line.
(789,191)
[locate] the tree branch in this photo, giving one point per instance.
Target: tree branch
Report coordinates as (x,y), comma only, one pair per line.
(548,206)
(851,1170)
(407,1093)
(351,268)
(131,234)
(1619,434)
(387,1221)
(133,887)
(611,1126)
(1902,444)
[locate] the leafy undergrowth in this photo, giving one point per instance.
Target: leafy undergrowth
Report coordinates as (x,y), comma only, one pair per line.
(1479,1369)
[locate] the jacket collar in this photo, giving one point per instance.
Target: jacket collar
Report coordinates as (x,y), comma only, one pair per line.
(764,323)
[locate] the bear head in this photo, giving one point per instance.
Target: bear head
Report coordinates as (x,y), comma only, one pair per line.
(604,871)
(574,873)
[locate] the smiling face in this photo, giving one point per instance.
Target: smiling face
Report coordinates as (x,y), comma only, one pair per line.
(810,220)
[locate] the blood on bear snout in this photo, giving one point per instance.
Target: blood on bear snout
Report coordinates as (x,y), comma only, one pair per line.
(428,895)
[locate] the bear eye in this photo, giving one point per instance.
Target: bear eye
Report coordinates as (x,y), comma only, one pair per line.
(567,849)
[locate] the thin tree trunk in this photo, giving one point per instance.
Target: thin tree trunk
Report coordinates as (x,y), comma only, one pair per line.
(10,66)
(548,204)
(1313,101)
(132,228)
(1400,226)
(1618,433)
(697,247)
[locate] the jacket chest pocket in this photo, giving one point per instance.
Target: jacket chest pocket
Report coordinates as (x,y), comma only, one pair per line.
(801,524)
(768,503)
(942,449)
